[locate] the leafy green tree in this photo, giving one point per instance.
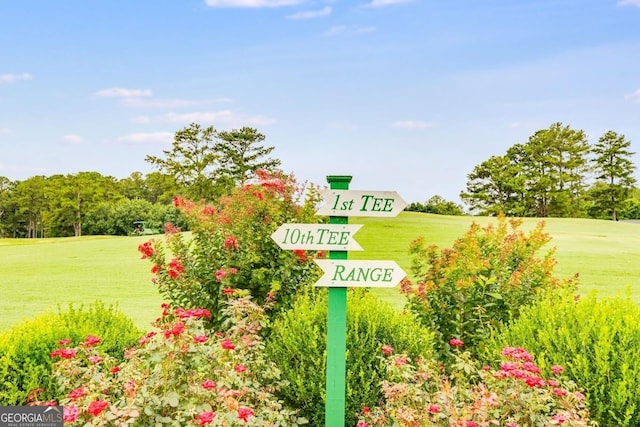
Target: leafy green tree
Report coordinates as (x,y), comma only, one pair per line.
(192,161)
(30,199)
(555,168)
(614,172)
(241,155)
(494,186)
(6,188)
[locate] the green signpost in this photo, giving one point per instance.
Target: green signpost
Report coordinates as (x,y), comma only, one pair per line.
(339,273)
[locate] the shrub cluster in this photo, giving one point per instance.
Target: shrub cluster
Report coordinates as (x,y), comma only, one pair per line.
(181,374)
(596,340)
(514,395)
(231,247)
(480,283)
(25,365)
(297,344)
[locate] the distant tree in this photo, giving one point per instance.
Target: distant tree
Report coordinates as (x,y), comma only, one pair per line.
(555,166)
(6,189)
(241,155)
(614,171)
(192,161)
(494,186)
(31,203)
(438,205)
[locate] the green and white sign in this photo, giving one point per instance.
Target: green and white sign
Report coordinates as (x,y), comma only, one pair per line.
(361,203)
(319,237)
(370,274)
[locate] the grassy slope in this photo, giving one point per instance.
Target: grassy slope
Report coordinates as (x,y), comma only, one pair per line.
(36,275)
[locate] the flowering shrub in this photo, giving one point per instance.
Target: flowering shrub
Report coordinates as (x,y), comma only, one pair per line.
(231,247)
(513,395)
(480,283)
(178,374)
(596,339)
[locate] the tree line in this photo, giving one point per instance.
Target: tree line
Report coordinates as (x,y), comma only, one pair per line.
(202,164)
(558,173)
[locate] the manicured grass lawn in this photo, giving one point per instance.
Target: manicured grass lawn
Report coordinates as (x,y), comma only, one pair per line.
(42,274)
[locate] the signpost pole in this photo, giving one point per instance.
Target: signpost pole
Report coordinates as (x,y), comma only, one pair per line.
(336,329)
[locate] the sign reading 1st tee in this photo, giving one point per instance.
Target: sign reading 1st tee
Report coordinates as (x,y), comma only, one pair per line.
(361,203)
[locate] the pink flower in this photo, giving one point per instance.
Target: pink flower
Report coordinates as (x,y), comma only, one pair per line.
(244,413)
(455,342)
(97,406)
(240,368)
(230,243)
(206,417)
(434,409)
(227,344)
(517,353)
(77,393)
(533,381)
(560,392)
(70,413)
(557,369)
(471,424)
(401,361)
(91,340)
(579,396)
(362,424)
(558,419)
(209,384)
(387,349)
(64,342)
(94,360)
(64,353)
(200,338)
(512,425)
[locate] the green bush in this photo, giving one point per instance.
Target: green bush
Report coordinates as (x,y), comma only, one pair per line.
(598,343)
(480,283)
(297,344)
(25,361)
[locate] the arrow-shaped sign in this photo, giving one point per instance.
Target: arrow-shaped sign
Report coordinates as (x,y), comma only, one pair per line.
(336,237)
(361,203)
(356,273)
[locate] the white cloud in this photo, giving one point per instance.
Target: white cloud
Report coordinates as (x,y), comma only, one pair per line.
(362,30)
(412,124)
(72,139)
(169,103)
(383,3)
(10,78)
(117,92)
(311,13)
(334,31)
(251,3)
(5,131)
(147,138)
(634,97)
(226,117)
(629,3)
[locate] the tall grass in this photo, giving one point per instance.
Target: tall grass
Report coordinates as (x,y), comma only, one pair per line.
(36,275)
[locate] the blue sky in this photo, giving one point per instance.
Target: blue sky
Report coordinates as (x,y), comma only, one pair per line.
(405,95)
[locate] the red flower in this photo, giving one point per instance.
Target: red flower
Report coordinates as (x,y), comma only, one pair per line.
(115,369)
(387,349)
(560,392)
(366,410)
(200,338)
(240,368)
(97,406)
(70,413)
(533,381)
(64,342)
(302,255)
(208,210)
(179,201)
(169,228)
(175,268)
(77,393)
(244,413)
(64,353)
(227,344)
(228,291)
(206,417)
(91,340)
(208,385)
(556,369)
(155,268)
(362,424)
(434,409)
(177,329)
(401,361)
(230,243)
(471,424)
(455,342)
(146,249)
(193,313)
